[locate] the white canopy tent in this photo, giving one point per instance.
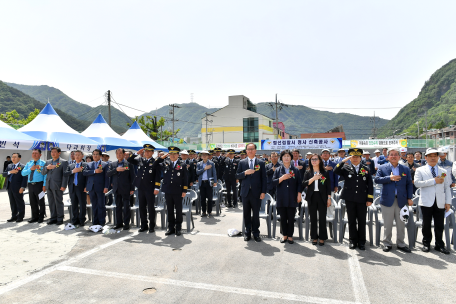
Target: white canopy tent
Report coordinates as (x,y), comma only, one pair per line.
(137,136)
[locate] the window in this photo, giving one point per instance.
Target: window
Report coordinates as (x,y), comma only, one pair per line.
(250,132)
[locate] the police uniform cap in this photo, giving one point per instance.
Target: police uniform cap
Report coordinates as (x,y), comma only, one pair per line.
(217,150)
(355,152)
(243,152)
(149,147)
(230,151)
(173,149)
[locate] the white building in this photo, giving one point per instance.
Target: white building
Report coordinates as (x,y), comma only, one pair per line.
(238,122)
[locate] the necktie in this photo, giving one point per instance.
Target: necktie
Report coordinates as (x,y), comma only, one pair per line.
(251,164)
(76,176)
(326,163)
(433,172)
(31,174)
(11,176)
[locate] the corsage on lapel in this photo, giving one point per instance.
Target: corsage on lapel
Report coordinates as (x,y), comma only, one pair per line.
(39,169)
(58,165)
(362,172)
(100,166)
(292,173)
(177,167)
(257,167)
(403,174)
(443,174)
(126,166)
(323,179)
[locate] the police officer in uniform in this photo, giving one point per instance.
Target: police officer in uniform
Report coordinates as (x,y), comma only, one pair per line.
(148,177)
(358,193)
(175,185)
(184,156)
(231,165)
(219,162)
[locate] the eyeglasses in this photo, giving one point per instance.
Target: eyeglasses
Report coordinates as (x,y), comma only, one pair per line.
(251,149)
(314,159)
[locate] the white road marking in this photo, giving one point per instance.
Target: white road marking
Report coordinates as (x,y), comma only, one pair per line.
(208,234)
(37,275)
(356,275)
(219,288)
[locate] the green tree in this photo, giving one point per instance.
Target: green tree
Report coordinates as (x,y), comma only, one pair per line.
(151,126)
(13,118)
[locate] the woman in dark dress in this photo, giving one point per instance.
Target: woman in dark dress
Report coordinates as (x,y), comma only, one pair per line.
(318,197)
(289,187)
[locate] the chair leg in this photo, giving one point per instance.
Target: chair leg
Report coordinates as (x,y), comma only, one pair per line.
(377,235)
(163,219)
(243,226)
(371,234)
(447,233)
(191,216)
(188,221)
(335,232)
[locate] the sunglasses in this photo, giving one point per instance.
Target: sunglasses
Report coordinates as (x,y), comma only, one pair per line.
(314,159)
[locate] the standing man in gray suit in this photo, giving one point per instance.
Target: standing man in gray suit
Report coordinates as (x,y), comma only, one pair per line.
(207,178)
(56,183)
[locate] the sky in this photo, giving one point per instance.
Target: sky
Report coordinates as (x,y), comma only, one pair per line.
(341,56)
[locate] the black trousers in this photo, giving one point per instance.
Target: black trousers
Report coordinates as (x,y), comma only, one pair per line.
(287,215)
(78,204)
(97,199)
(251,212)
(16,203)
(206,193)
(231,186)
(146,204)
(123,208)
(174,201)
(356,214)
(318,206)
(37,205)
(439,217)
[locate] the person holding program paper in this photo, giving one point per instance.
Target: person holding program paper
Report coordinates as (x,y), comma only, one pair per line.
(36,185)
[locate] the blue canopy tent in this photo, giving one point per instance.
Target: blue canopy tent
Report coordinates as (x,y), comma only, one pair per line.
(137,136)
(51,131)
(15,140)
(102,133)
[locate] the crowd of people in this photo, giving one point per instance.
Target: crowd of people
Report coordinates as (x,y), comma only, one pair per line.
(286,176)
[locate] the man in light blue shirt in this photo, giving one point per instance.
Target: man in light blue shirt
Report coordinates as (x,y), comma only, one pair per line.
(207,175)
(36,185)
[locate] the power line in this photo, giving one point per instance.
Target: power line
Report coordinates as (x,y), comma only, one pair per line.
(91,109)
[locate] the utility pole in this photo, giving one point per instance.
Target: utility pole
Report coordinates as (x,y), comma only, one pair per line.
(418,134)
(425,121)
(172,112)
(109,107)
(277,106)
(207,120)
(374,129)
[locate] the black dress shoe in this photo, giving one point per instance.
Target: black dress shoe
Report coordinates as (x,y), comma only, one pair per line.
(290,241)
(118,226)
(362,247)
(321,244)
(178,232)
(33,221)
(314,243)
(247,238)
(404,249)
(126,227)
(442,250)
(425,249)
(169,232)
(81,225)
(142,230)
(52,222)
(59,223)
(258,239)
(40,221)
(204,215)
(352,246)
(151,230)
(387,248)
(282,240)
(11,220)
(19,220)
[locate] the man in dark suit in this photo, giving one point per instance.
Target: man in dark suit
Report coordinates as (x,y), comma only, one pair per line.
(16,183)
(56,184)
(148,178)
(368,162)
(207,178)
(175,188)
(252,174)
(123,176)
(270,169)
(297,163)
(77,186)
(188,162)
(219,162)
(97,185)
(192,168)
(230,178)
(109,199)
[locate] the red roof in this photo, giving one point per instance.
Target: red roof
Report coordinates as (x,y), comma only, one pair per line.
(324,135)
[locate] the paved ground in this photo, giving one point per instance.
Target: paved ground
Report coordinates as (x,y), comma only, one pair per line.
(45,264)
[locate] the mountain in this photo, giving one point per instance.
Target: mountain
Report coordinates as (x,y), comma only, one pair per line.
(59,100)
(438,95)
(12,99)
(297,120)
